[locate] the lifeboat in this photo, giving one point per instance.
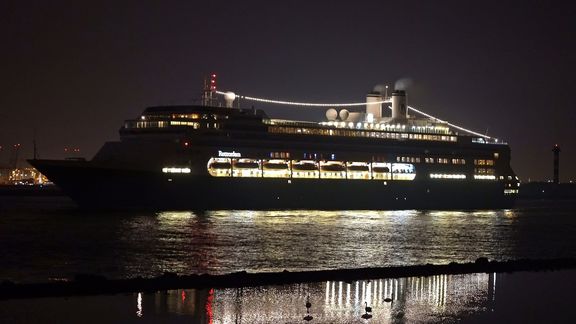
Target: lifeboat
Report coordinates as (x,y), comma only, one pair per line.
(333,167)
(246,165)
(305,166)
(220,165)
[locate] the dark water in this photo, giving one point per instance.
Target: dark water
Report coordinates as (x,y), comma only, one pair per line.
(47,238)
(524,297)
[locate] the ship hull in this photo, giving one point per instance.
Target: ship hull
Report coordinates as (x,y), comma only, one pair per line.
(96,187)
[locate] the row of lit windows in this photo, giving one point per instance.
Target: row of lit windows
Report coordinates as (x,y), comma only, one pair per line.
(226,167)
(280,155)
(408,159)
(483,162)
(487,140)
(176,170)
(484,177)
(181,116)
(163,124)
(195,125)
(242,167)
(186,116)
(436,129)
(359,133)
(196,116)
(447,176)
(458,161)
(484,171)
(413,159)
(146,124)
(430,160)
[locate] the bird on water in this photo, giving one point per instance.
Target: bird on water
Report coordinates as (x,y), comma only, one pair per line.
(308,317)
(368,310)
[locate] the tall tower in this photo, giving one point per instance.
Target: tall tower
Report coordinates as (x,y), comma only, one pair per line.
(556,151)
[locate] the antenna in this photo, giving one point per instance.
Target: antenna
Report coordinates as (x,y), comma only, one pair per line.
(209,90)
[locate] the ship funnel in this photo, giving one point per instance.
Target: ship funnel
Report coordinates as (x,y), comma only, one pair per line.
(372,107)
(229,98)
(399,106)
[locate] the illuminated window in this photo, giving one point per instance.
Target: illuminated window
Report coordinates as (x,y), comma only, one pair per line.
(484,177)
(480,162)
(280,155)
(454,176)
(403,171)
(175,170)
(442,160)
(410,159)
(185,123)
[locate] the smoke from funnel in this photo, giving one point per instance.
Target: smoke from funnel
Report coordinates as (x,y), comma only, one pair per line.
(380,88)
(403,84)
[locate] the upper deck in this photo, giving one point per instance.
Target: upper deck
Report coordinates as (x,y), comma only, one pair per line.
(174,120)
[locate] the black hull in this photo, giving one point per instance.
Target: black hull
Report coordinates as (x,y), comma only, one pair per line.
(102,188)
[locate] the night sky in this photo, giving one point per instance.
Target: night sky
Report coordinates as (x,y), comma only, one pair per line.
(74,70)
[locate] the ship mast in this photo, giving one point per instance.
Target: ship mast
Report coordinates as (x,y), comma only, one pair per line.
(209,93)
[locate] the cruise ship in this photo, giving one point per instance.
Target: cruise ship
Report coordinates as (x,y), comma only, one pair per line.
(219,156)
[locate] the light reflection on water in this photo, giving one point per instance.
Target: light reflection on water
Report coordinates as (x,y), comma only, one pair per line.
(308,239)
(415,299)
(38,244)
(524,297)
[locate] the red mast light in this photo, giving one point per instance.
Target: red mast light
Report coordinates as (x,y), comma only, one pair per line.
(213,82)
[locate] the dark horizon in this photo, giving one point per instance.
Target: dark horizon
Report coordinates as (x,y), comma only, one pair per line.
(72,72)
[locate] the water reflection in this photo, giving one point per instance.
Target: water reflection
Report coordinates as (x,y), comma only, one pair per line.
(139,305)
(414,299)
(524,297)
(227,241)
(37,246)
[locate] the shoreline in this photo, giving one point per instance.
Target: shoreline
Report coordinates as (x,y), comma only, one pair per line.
(89,284)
